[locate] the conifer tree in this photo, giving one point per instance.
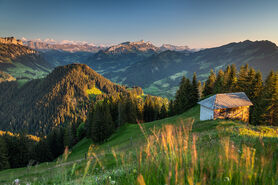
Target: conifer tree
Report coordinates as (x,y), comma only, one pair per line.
(171,109)
(219,83)
(183,95)
(195,91)
(4,161)
(209,85)
(242,80)
(269,99)
(200,89)
(232,79)
(68,137)
(102,124)
(163,112)
(249,82)
(130,110)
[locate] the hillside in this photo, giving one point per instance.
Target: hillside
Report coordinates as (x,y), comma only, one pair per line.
(5,77)
(63,96)
(160,74)
(121,159)
(20,61)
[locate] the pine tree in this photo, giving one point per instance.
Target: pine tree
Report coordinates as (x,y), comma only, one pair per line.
(88,124)
(269,99)
(102,124)
(242,80)
(163,112)
(130,110)
(171,109)
(200,90)
(249,82)
(219,83)
(68,137)
(41,152)
(183,95)
(4,160)
(232,79)
(256,97)
(195,91)
(209,85)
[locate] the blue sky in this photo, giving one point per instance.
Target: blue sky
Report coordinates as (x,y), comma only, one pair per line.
(196,23)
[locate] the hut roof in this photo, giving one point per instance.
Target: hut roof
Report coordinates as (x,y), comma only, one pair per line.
(226,100)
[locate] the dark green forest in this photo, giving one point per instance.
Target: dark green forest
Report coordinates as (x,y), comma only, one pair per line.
(262,93)
(108,111)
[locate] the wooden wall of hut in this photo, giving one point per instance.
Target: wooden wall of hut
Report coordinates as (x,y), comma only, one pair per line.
(238,113)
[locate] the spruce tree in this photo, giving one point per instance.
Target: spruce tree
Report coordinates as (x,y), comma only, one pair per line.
(102,123)
(171,109)
(209,85)
(232,80)
(4,160)
(200,90)
(242,79)
(163,112)
(219,83)
(249,83)
(256,97)
(183,95)
(269,99)
(195,91)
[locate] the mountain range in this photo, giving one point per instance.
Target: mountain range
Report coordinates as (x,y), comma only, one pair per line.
(157,70)
(161,72)
(69,47)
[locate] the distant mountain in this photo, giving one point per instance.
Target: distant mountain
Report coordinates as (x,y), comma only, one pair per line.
(165,47)
(20,61)
(42,104)
(139,47)
(121,56)
(160,74)
(66,46)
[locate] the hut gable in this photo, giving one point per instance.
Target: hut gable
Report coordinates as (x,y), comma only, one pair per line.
(226,105)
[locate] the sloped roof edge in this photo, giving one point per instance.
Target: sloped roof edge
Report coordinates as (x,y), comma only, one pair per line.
(226,100)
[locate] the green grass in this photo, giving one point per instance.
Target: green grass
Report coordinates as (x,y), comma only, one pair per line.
(118,158)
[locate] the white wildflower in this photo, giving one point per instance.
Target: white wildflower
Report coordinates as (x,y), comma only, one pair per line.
(16,181)
(227,179)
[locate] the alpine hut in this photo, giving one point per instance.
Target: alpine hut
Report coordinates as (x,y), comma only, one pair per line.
(226,106)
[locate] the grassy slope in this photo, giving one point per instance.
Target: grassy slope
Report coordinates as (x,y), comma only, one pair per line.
(127,138)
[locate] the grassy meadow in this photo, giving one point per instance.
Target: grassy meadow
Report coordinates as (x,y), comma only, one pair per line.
(176,150)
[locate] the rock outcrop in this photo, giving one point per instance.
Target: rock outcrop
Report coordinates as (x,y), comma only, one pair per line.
(10,40)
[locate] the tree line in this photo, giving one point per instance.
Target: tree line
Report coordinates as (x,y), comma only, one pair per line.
(112,112)
(262,93)
(105,115)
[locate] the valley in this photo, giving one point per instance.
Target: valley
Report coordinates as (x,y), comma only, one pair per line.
(158,70)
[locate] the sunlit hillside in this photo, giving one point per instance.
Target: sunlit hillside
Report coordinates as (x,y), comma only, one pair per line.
(175,150)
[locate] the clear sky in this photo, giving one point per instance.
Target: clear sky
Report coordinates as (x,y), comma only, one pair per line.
(196,23)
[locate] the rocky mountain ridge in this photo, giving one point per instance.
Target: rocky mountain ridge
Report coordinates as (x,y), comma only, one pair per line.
(10,40)
(63,47)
